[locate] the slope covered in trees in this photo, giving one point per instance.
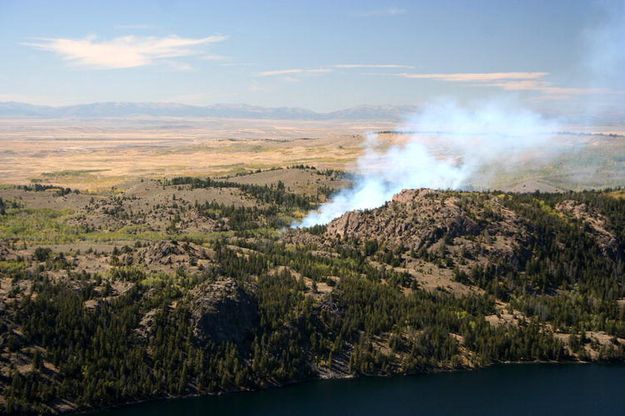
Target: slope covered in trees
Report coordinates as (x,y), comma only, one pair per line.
(433,280)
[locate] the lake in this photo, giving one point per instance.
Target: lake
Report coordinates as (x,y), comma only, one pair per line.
(529,389)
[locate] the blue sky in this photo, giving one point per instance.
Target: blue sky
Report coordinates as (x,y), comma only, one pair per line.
(322,55)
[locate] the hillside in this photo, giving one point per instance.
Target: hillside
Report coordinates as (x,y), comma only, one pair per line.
(197,286)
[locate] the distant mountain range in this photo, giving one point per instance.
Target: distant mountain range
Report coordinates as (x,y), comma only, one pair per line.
(123,110)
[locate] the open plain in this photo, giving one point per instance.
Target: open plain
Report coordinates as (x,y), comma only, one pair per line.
(100,153)
(103,153)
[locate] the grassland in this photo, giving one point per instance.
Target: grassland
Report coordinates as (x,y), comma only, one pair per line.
(95,155)
(101,154)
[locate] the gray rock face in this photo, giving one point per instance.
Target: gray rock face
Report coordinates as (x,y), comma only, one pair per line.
(425,219)
(224,311)
(172,253)
(418,217)
(414,217)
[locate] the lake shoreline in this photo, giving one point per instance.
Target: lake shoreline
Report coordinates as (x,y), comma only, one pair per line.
(95,411)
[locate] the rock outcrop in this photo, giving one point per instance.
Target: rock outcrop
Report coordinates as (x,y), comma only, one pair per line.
(224,311)
(172,253)
(425,219)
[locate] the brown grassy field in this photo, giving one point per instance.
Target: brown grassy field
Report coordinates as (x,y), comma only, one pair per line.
(99,154)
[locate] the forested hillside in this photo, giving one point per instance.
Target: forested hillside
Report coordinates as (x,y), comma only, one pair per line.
(198,286)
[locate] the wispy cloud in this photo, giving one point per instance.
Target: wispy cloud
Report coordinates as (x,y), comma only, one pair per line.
(372,66)
(290,73)
(294,71)
(213,57)
(387,12)
(508,81)
(178,66)
(123,52)
(478,77)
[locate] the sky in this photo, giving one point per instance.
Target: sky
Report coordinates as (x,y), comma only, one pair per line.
(320,55)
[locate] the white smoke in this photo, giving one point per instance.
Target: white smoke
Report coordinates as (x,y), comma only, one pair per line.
(605,56)
(447,144)
(604,62)
(450,145)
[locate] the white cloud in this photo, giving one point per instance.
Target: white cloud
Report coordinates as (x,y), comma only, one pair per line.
(294,71)
(388,12)
(509,81)
(178,66)
(478,77)
(123,52)
(213,57)
(291,73)
(372,66)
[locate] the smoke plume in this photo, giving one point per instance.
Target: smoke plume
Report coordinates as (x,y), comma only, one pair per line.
(446,145)
(604,60)
(605,55)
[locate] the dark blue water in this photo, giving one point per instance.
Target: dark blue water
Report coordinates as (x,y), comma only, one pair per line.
(533,389)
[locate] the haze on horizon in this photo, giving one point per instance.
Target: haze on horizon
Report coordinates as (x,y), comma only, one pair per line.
(317,55)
